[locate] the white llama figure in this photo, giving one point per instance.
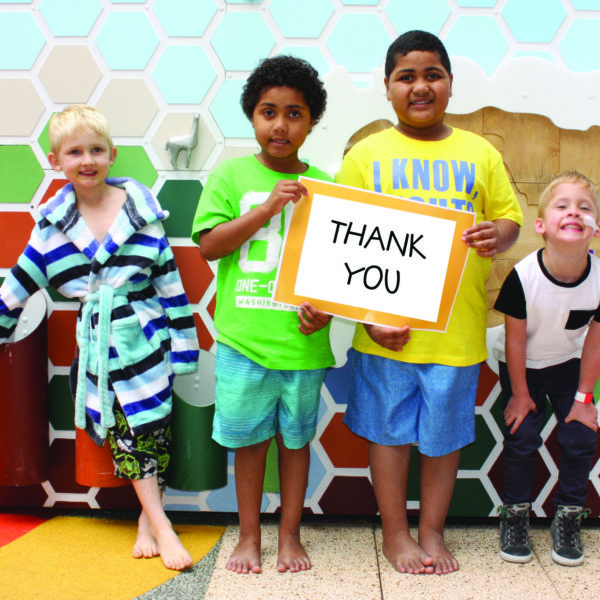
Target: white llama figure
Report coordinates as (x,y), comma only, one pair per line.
(185,143)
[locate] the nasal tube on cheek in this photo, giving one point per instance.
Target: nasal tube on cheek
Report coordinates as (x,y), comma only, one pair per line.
(589,221)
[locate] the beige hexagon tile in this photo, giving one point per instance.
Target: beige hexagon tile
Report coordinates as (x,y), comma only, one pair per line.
(20,107)
(173,128)
(234,152)
(70,74)
(129,107)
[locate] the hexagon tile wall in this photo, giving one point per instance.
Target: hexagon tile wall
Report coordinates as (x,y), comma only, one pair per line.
(150,66)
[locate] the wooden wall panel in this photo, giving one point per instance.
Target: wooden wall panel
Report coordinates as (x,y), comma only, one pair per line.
(529,144)
(580,150)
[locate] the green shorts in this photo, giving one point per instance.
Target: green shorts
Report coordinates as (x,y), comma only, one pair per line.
(253,403)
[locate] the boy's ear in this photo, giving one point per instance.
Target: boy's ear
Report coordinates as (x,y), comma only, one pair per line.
(387,87)
(539,226)
(451,82)
(113,155)
(597,232)
(53,160)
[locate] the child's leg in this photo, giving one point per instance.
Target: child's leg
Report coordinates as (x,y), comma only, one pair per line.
(577,442)
(145,545)
(249,478)
(389,471)
(519,452)
(438,477)
(171,550)
(293,477)
(143,459)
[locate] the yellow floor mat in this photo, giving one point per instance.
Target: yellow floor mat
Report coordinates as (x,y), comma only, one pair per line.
(79,558)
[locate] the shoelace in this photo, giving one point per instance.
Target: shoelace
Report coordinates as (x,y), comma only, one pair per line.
(568,528)
(516,530)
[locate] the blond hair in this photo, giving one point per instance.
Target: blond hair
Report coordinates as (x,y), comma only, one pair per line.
(73,118)
(574,177)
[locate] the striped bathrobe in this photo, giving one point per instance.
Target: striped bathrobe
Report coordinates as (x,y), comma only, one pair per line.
(135,328)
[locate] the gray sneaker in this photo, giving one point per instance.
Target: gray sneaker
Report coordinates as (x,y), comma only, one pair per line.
(514,533)
(566,535)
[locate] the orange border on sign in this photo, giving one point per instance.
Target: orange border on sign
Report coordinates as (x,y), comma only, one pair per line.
(290,260)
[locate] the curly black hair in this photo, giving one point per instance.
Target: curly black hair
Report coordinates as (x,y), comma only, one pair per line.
(287,71)
(416,40)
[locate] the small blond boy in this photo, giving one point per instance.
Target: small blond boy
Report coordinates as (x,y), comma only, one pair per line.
(100,241)
(549,300)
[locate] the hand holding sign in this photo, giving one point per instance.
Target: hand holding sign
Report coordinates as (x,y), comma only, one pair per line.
(392,338)
(484,238)
(285,190)
(373,258)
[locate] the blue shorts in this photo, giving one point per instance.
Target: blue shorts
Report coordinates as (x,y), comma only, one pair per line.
(253,403)
(395,403)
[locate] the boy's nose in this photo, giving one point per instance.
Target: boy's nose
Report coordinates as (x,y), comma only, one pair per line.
(279,124)
(421,86)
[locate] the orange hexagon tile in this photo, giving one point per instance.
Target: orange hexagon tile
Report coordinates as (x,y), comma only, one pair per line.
(195,272)
(15,229)
(205,339)
(345,449)
(55,185)
(211,306)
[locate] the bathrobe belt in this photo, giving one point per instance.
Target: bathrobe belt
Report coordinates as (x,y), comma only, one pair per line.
(102,302)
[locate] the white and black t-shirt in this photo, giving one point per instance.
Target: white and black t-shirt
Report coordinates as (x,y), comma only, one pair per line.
(557,313)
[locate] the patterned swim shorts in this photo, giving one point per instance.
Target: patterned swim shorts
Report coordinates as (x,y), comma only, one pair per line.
(140,456)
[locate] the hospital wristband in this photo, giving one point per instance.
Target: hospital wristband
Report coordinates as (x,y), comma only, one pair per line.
(584,398)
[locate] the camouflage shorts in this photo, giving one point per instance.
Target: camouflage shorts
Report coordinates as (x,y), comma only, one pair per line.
(140,456)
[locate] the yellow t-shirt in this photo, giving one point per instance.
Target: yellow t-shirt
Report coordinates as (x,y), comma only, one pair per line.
(464,172)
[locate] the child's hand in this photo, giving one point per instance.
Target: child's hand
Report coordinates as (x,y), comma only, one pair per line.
(392,338)
(517,409)
(311,319)
(483,237)
(584,413)
(285,190)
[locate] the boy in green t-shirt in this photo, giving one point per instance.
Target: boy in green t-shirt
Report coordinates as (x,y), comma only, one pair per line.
(419,386)
(271,359)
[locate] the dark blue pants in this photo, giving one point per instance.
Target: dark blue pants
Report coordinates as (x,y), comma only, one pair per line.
(558,383)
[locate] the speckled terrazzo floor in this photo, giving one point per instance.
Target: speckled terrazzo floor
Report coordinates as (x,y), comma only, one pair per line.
(348,564)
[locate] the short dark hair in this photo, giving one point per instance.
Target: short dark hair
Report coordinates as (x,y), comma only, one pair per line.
(288,71)
(416,40)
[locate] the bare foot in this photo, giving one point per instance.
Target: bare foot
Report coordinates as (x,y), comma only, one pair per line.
(246,556)
(443,560)
(292,555)
(171,550)
(145,545)
(405,555)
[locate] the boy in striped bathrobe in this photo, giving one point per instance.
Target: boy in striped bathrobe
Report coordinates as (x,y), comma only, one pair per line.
(101,241)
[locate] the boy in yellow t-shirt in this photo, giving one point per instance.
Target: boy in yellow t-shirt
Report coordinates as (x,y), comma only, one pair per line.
(420,386)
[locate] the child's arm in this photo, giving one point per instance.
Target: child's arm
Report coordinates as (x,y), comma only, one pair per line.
(227,237)
(491,237)
(311,319)
(392,338)
(588,375)
(520,403)
(25,278)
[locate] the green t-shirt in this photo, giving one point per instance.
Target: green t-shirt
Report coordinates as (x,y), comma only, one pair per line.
(245,317)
